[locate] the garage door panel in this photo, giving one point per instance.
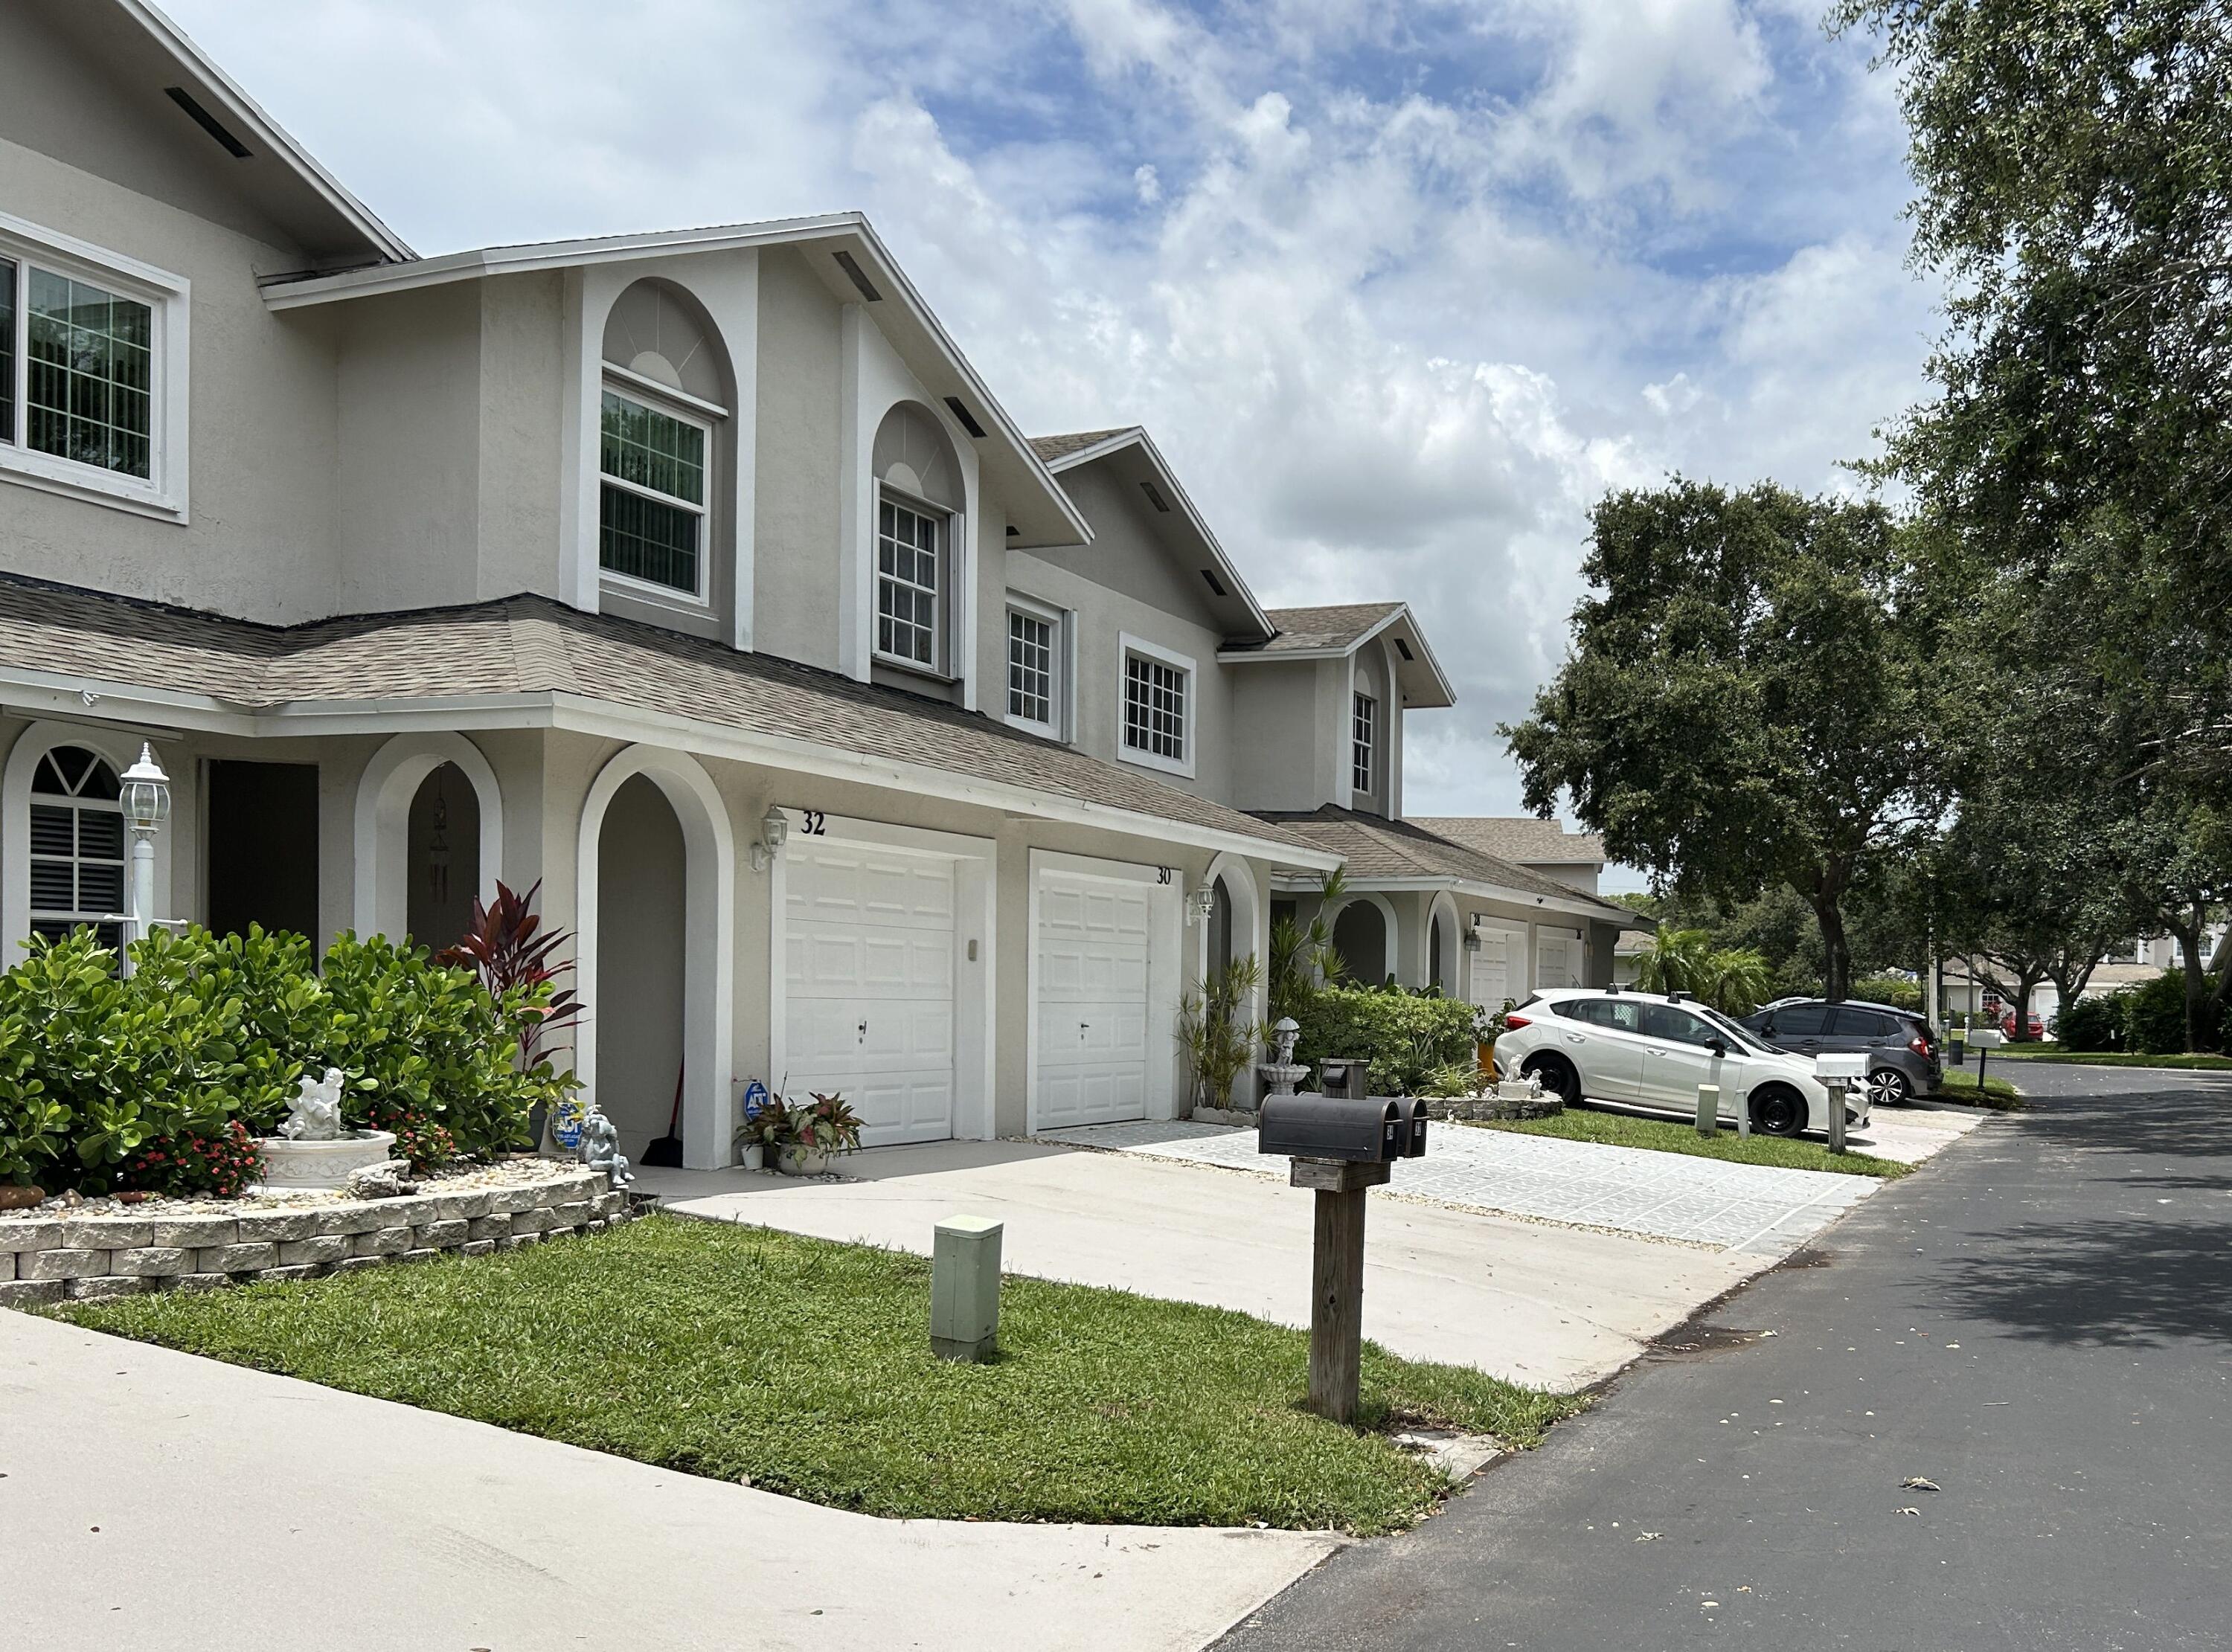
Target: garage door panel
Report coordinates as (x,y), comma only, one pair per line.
(1092,973)
(868,967)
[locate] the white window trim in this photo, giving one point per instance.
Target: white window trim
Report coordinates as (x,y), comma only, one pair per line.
(1065,631)
(1128,647)
(164,494)
(942,637)
(1364,753)
(701,415)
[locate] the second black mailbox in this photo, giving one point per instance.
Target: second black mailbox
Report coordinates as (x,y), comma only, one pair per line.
(1414,1127)
(1335,1127)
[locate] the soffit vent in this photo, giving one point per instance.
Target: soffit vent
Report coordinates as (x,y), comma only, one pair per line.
(206,121)
(858,276)
(968,419)
(1155,498)
(1215,584)
(1403,649)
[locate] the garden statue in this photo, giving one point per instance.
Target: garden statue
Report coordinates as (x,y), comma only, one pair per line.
(600,1148)
(1281,1073)
(316,1114)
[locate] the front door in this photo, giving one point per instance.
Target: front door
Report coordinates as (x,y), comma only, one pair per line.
(868,979)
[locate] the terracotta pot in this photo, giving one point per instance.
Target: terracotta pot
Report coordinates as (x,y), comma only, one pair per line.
(20,1198)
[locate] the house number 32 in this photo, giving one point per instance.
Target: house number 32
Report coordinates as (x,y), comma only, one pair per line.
(817,823)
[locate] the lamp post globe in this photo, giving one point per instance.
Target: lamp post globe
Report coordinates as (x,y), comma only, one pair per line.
(145,794)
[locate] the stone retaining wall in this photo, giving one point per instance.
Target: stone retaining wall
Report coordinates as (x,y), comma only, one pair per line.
(48,1259)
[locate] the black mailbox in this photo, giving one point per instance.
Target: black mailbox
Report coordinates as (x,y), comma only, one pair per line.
(1413,1112)
(1332,1127)
(1344,1076)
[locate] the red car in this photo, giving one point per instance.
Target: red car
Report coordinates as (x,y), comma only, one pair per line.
(2037,1025)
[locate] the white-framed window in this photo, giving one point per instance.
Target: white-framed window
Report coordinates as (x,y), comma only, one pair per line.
(76,845)
(1363,738)
(653,460)
(93,371)
(1156,708)
(911,581)
(1038,667)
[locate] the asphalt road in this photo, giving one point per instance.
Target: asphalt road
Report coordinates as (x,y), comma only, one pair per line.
(2040,1322)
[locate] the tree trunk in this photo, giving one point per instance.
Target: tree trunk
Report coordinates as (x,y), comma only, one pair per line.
(1836,950)
(2025,984)
(2197,996)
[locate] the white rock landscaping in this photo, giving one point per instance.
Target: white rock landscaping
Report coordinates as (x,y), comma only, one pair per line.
(92,1253)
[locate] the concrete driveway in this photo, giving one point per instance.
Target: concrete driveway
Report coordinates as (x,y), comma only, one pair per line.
(168,1503)
(1554,1307)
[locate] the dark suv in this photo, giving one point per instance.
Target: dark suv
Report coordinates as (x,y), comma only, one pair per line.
(1902,1058)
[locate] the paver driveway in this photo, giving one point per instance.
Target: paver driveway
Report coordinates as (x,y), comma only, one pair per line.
(1753,1209)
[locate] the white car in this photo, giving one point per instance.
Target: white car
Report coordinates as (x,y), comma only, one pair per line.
(1643,1050)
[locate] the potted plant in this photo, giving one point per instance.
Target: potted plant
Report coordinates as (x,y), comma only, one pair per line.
(817,1133)
(767,1130)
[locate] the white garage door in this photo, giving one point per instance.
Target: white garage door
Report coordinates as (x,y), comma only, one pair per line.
(1492,964)
(1091,956)
(1557,958)
(868,973)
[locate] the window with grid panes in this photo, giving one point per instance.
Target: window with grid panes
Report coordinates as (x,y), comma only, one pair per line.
(652,523)
(1154,707)
(907,576)
(77,846)
(77,374)
(1031,682)
(1366,719)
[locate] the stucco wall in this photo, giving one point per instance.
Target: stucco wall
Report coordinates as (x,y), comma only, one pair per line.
(795,579)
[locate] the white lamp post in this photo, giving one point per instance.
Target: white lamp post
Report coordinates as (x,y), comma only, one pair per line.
(146,799)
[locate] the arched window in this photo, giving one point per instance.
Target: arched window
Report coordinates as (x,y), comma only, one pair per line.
(663,394)
(919,495)
(77,845)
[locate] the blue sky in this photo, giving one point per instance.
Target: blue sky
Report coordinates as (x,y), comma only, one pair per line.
(1399,289)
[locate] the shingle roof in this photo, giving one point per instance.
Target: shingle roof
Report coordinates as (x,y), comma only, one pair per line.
(1521,838)
(1336,626)
(530,645)
(1051,448)
(1377,848)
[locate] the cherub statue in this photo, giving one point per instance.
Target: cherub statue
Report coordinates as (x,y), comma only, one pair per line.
(316,1114)
(600,1148)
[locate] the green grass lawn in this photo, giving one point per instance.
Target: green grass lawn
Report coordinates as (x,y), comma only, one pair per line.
(1959,1083)
(732,1352)
(1667,1136)
(2054,1052)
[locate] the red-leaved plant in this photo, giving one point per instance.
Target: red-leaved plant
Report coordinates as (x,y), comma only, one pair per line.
(505,947)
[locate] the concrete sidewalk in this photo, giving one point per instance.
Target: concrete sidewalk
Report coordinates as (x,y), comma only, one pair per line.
(160,1502)
(1553,1307)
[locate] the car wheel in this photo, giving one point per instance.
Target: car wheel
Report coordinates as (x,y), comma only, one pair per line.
(1888,1087)
(1557,1075)
(1777,1110)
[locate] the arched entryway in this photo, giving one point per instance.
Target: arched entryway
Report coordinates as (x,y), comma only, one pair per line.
(1442,943)
(429,838)
(657,951)
(442,860)
(1360,933)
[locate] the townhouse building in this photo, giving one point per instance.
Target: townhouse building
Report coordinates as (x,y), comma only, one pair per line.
(864,743)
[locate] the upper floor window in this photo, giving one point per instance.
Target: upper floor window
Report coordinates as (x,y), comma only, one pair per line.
(1158,711)
(77,846)
(1036,666)
(91,371)
(651,517)
(660,411)
(920,579)
(909,622)
(1366,718)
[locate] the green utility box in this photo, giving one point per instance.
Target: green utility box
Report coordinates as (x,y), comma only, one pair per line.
(965,1288)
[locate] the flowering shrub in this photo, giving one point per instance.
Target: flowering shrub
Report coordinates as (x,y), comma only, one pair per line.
(223,1164)
(208,1035)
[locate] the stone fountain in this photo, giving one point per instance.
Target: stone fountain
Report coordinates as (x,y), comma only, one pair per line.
(1281,1074)
(312,1149)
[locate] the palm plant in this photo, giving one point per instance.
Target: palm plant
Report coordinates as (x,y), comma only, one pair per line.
(1217,1037)
(1731,979)
(1302,956)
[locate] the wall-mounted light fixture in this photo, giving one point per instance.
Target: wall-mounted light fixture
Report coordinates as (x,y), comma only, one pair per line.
(1472,940)
(1200,904)
(774,826)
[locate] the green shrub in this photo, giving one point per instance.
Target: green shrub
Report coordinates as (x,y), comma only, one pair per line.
(153,1081)
(2154,1017)
(2098,1024)
(1405,1036)
(1896,990)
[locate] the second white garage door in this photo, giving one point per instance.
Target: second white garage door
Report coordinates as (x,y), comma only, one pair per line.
(1090,954)
(868,976)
